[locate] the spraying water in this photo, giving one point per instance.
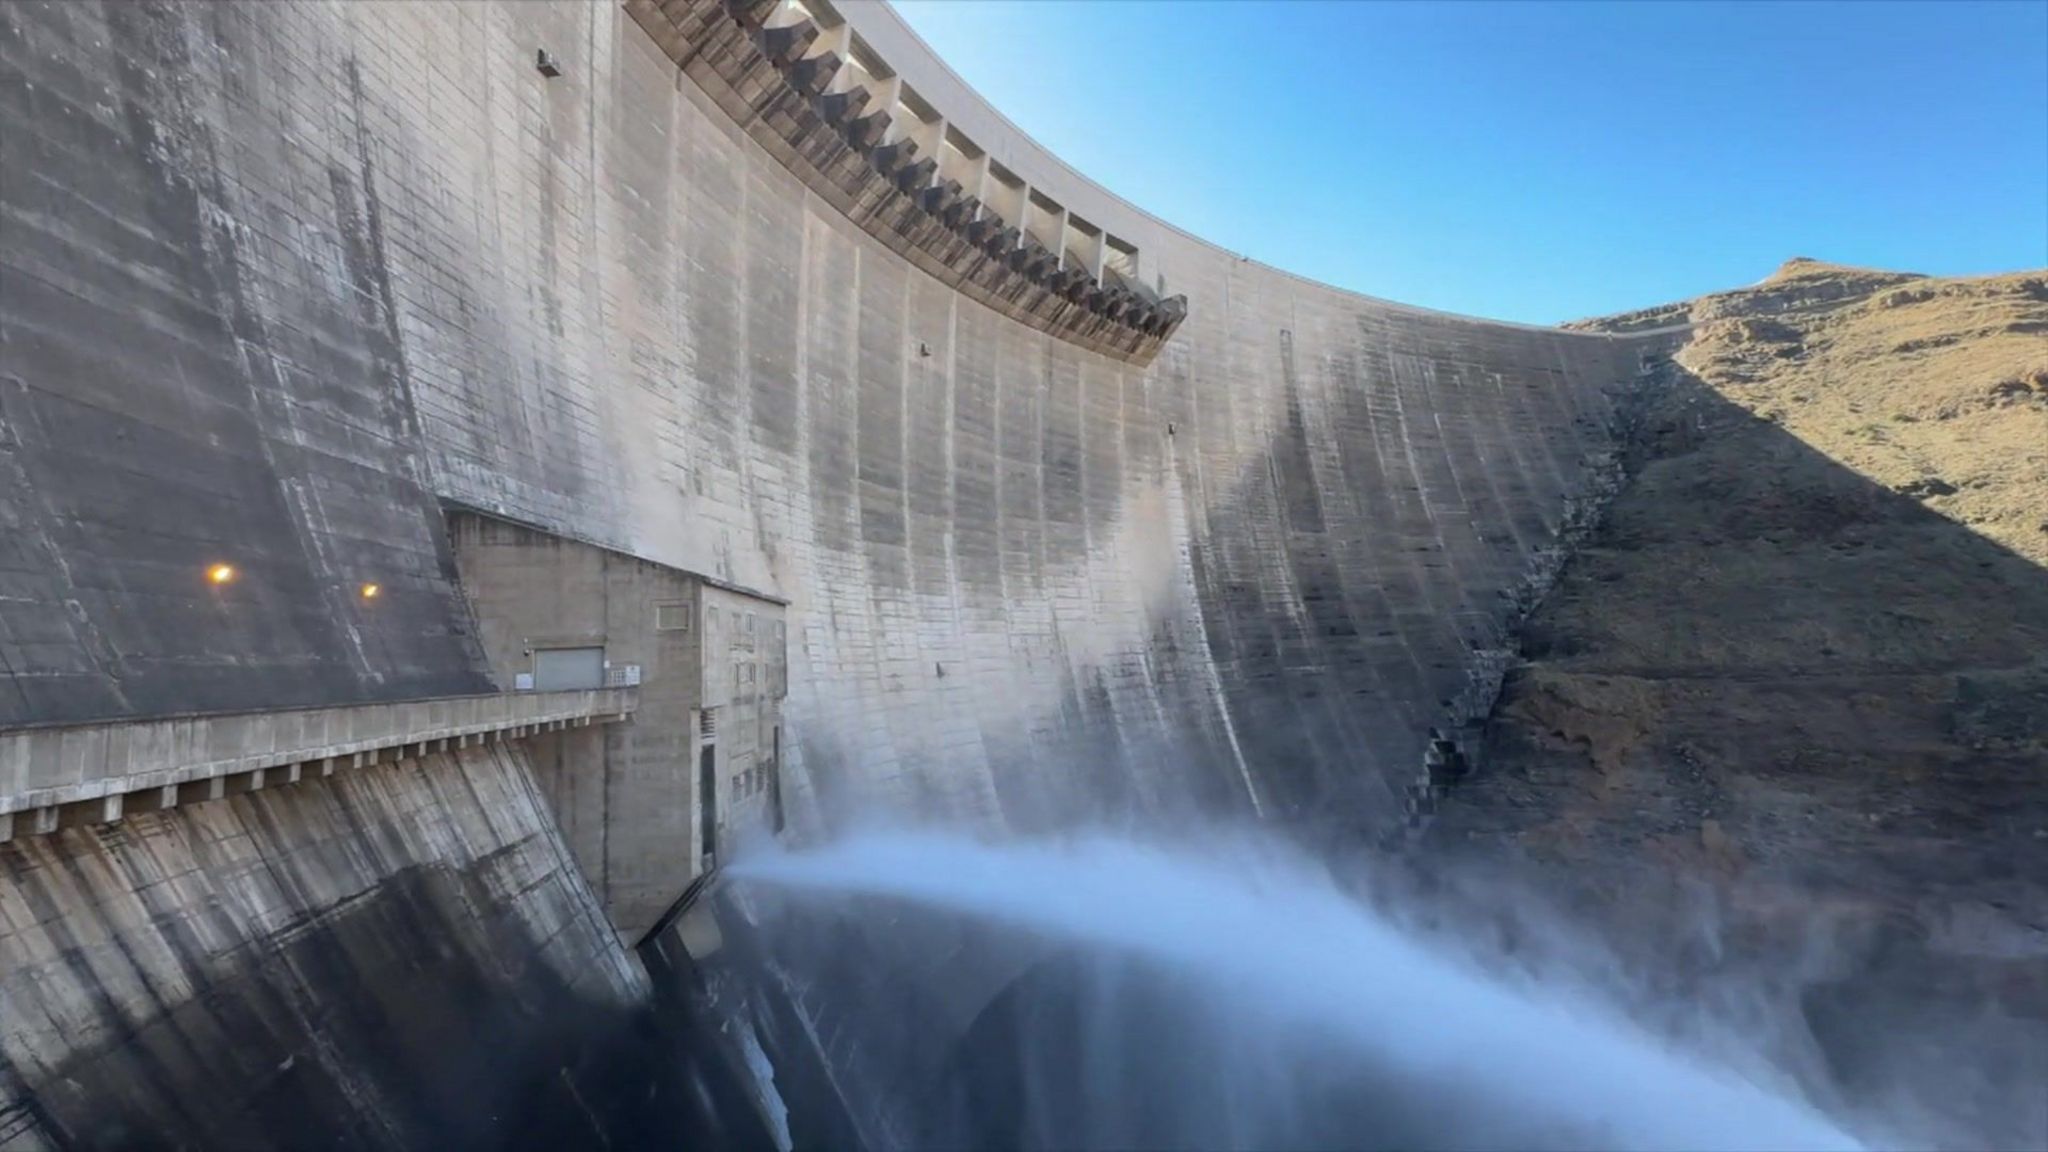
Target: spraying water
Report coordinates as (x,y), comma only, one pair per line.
(1248,1002)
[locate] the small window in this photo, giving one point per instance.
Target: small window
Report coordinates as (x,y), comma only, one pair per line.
(711,618)
(750,672)
(747,626)
(707,723)
(556,669)
(671,617)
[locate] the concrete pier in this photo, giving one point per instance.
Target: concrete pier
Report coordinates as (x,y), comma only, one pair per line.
(97,773)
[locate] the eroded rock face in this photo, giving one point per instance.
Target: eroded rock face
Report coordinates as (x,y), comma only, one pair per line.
(1801,673)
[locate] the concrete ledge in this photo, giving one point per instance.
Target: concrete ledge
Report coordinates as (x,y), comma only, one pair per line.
(747,72)
(58,777)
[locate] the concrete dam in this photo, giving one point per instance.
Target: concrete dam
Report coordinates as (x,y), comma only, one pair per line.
(467,469)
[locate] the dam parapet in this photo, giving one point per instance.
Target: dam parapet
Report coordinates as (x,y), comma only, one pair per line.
(811,91)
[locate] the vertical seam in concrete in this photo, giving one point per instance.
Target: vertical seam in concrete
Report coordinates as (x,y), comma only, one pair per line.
(1177,509)
(1042,387)
(905,356)
(604,745)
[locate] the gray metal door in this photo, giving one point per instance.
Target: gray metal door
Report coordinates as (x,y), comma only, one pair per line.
(707,802)
(560,669)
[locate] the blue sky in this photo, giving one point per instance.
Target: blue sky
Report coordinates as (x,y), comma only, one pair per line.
(1536,161)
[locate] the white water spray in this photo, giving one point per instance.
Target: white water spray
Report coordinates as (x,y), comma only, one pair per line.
(1280,945)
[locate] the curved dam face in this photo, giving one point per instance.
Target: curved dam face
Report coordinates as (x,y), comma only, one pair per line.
(281,280)
(364,376)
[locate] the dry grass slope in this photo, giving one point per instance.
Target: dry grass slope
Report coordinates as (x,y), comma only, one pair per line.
(1934,388)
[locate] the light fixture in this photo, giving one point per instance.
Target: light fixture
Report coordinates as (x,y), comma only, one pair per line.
(369,591)
(220,574)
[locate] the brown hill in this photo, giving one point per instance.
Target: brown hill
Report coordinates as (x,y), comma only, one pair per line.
(1803,669)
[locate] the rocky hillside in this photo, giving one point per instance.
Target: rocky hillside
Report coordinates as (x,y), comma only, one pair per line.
(1937,389)
(1800,679)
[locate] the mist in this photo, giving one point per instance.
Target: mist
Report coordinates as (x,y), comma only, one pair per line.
(1235,994)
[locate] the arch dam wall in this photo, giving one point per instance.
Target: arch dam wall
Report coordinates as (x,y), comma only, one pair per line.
(1077,518)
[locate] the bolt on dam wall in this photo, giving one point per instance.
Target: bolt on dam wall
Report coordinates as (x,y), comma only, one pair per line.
(283,284)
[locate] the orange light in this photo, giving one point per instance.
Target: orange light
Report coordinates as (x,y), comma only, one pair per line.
(221,574)
(370,591)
